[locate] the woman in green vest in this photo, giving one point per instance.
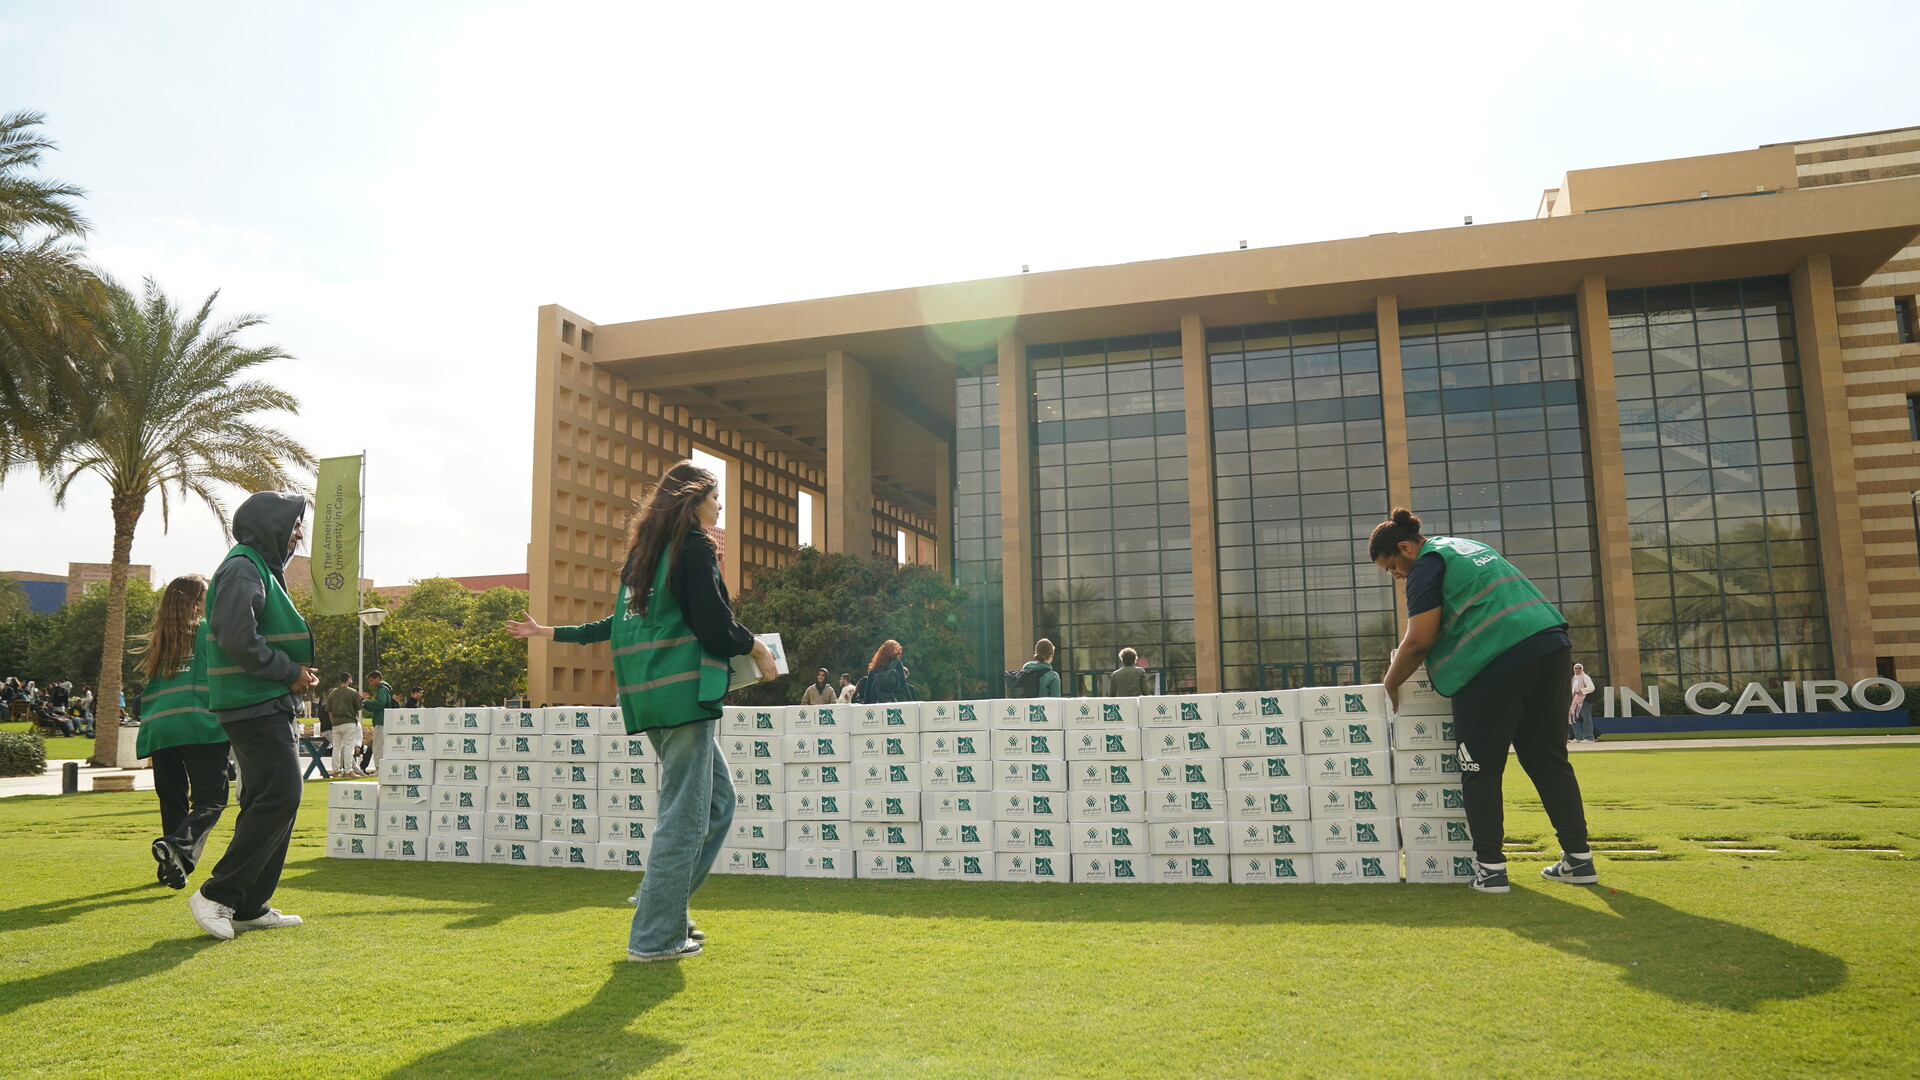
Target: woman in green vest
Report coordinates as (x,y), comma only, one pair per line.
(178,731)
(1499,649)
(673,634)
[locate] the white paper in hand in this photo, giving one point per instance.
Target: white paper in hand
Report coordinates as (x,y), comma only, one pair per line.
(745,672)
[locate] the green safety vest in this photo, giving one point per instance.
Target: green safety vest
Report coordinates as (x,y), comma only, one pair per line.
(1486,607)
(662,673)
(229,684)
(175,709)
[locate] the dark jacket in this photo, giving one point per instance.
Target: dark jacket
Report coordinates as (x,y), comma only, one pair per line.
(888,684)
(264,523)
(1128,681)
(1049,684)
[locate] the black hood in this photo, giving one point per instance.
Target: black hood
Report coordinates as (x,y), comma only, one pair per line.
(265,523)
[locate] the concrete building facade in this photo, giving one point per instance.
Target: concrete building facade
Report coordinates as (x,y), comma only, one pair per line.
(1684,399)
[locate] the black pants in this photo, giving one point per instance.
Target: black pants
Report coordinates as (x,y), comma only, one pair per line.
(1526,709)
(249,872)
(191,782)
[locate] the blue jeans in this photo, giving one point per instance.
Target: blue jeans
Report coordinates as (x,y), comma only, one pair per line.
(696,810)
(1583,724)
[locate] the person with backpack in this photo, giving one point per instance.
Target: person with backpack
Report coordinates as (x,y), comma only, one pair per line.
(886,677)
(673,635)
(178,730)
(1037,677)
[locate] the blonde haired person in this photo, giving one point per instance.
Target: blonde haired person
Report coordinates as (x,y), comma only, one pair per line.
(178,731)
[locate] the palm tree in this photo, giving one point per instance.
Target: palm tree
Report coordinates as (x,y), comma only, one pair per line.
(45,291)
(162,411)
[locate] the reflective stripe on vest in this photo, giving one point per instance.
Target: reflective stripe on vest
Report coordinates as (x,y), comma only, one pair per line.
(1487,606)
(662,673)
(229,685)
(177,709)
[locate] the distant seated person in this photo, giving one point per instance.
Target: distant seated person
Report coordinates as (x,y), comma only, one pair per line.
(46,714)
(1129,679)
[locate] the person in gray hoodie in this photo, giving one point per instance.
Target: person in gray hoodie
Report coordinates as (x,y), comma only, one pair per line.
(259,664)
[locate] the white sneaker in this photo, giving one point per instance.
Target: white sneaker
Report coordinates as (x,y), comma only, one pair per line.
(215,919)
(272,919)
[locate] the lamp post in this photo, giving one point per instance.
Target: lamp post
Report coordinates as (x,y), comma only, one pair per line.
(368,617)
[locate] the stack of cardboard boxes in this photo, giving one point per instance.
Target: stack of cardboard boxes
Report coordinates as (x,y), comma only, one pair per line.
(1267,787)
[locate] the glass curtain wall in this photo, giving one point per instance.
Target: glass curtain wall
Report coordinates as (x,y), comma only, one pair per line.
(1726,563)
(1300,465)
(1113,563)
(976,512)
(1497,446)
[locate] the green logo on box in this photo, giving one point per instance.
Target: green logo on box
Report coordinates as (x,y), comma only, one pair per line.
(1202,836)
(1457,832)
(1452,799)
(1119,837)
(1365,833)
(1123,868)
(1201,868)
(1370,867)
(829,804)
(969,834)
(1358,767)
(1042,867)
(1363,800)
(903,864)
(1117,804)
(1198,800)
(1277,803)
(1283,834)
(1042,804)
(963,774)
(1117,775)
(1284,868)
(969,864)
(1197,740)
(1042,837)
(1037,744)
(1196,774)
(1270,706)
(1110,714)
(1189,712)
(893,806)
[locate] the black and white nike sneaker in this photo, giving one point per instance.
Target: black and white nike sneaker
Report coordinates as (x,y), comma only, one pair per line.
(1572,869)
(1489,879)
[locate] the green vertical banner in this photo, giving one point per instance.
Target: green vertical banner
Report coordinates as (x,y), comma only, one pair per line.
(336,537)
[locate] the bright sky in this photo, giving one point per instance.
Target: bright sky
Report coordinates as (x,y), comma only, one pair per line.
(398,187)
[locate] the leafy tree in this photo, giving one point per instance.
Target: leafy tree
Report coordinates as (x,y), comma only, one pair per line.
(336,641)
(166,409)
(454,645)
(833,610)
(441,600)
(13,600)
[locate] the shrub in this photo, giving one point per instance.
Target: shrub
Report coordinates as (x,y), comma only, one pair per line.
(22,753)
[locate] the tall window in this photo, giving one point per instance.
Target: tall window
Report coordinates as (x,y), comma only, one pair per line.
(1300,460)
(1497,445)
(1726,564)
(976,512)
(1113,558)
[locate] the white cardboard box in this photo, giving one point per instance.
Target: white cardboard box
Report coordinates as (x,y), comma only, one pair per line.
(630,831)
(624,776)
(621,749)
(1188,837)
(399,720)
(460,771)
(1334,702)
(465,721)
(756,804)
(957,835)
(754,776)
(406,746)
(1271,804)
(1108,868)
(1435,834)
(754,749)
(629,802)
(578,774)
(569,854)
(516,773)
(818,746)
(958,865)
(506,746)
(963,775)
(886,836)
(1105,776)
(766,833)
(956,745)
(1193,710)
(1254,869)
(617,856)
(814,719)
(364,821)
(457,823)
(568,800)
(825,776)
(1094,744)
(460,849)
(766,721)
(460,746)
(514,852)
(1189,742)
(1101,713)
(1269,838)
(1264,771)
(1209,869)
(1264,737)
(570,720)
(821,834)
(887,776)
(405,822)
(1419,698)
(1355,834)
(1439,867)
(405,771)
(940,715)
(1108,806)
(819,805)
(972,715)
(571,746)
(1186,804)
(405,796)
(513,825)
(819,862)
(1359,800)
(1105,837)
(1182,773)
(957,805)
(890,865)
(609,720)
(1029,713)
(1430,800)
(1014,744)
(1254,707)
(1030,775)
(1037,807)
(1426,766)
(1016,866)
(1357,868)
(460,797)
(885,806)
(517,722)
(354,795)
(1344,735)
(570,828)
(1342,770)
(900,716)
(1424,732)
(408,848)
(352,846)
(1023,836)
(871,746)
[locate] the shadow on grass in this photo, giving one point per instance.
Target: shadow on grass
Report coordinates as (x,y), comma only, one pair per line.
(476,892)
(100,974)
(1686,957)
(54,912)
(592,1040)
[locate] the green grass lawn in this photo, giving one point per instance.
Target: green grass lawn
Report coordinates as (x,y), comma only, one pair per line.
(1688,961)
(1779,733)
(58,748)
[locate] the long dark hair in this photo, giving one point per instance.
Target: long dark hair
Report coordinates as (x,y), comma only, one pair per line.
(669,511)
(169,647)
(1388,535)
(887,653)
